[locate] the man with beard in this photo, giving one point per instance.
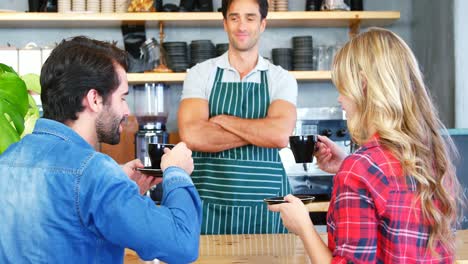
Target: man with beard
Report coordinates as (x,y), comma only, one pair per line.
(236,111)
(62,201)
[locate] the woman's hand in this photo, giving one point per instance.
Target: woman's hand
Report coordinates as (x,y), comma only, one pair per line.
(329,155)
(295,215)
(296,218)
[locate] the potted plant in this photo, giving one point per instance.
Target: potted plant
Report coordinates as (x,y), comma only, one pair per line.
(18,110)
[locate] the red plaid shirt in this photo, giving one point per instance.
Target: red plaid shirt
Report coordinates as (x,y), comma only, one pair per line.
(373,215)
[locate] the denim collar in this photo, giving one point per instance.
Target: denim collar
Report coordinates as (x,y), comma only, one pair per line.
(54,128)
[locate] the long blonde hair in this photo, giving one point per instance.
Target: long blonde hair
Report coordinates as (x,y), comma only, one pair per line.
(396,103)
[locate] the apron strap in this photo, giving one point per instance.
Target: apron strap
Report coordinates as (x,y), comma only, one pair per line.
(219,75)
(264,78)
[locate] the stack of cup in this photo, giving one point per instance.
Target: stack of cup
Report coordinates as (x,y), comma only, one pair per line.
(271,5)
(64,6)
(107,6)
(93,6)
(79,5)
(121,6)
(281,5)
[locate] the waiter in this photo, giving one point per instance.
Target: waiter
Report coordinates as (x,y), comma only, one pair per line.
(237,110)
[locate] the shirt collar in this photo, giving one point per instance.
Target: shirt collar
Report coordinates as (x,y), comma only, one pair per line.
(372,142)
(52,127)
(223,63)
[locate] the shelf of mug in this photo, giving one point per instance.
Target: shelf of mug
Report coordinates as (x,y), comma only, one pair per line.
(195,19)
(179,77)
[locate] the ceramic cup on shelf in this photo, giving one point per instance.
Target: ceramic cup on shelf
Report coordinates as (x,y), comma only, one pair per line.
(93,6)
(121,6)
(107,6)
(64,6)
(79,5)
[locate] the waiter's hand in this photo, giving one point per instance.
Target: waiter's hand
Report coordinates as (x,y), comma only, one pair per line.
(143,181)
(294,214)
(218,119)
(179,156)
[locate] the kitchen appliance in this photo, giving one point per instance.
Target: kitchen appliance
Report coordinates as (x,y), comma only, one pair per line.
(151,113)
(149,133)
(307,178)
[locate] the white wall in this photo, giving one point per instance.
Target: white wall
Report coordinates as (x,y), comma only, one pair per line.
(461,64)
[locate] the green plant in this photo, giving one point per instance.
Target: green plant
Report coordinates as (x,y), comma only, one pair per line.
(18,111)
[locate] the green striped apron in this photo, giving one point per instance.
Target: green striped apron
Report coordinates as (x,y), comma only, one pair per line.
(234,182)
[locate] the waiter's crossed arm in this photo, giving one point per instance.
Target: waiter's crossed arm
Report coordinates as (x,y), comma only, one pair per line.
(222,132)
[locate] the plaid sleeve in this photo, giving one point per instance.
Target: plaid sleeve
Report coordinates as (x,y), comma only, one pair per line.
(353,220)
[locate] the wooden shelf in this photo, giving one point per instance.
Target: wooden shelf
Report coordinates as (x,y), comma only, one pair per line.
(139,78)
(195,19)
(179,77)
(312,75)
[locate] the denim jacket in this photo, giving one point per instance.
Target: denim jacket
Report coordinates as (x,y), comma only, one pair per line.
(63,202)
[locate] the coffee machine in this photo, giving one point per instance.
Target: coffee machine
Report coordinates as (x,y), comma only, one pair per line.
(151,113)
(307,178)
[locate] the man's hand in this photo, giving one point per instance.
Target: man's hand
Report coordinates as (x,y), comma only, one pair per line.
(143,181)
(180,156)
(218,120)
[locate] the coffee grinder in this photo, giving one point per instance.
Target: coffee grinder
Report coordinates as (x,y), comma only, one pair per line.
(151,113)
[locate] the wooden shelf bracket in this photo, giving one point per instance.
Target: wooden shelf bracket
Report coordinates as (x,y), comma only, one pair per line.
(354,27)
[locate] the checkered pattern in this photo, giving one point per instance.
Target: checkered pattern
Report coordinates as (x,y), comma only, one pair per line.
(374,216)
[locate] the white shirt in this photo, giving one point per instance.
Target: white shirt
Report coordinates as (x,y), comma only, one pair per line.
(200,79)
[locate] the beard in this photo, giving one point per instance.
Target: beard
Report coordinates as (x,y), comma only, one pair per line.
(107,127)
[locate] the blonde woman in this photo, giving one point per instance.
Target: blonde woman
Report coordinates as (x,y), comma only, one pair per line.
(394,199)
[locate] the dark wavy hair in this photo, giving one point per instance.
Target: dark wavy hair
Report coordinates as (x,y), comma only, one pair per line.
(74,67)
(262,6)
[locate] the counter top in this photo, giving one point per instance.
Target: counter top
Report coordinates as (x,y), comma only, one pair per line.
(271,249)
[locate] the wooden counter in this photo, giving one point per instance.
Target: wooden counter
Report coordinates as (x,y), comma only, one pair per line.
(269,249)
